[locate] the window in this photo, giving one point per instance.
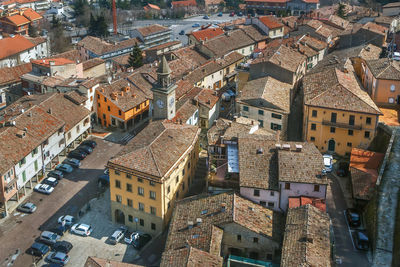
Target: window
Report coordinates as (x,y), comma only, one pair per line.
(392,88)
(117,173)
(36,165)
(263,203)
(153,226)
(119,112)
(183,186)
(261,123)
(287,186)
(141,222)
(23,176)
(313,126)
(314,113)
(255,239)
(177,179)
(140,191)
(349,144)
(189,165)
(128,176)
(129,187)
(69,136)
(333,129)
(183,172)
(350,132)
(256,193)
(105,99)
(169,189)
(129,202)
(368,120)
(140,180)
(22,162)
(312,138)
(130,218)
(108,108)
(391,100)
(118,198)
(239,238)
(245,108)
(275,126)
(153,210)
(98,96)
(333,117)
(104,116)
(276,116)
(141,206)
(271,204)
(316,188)
(351,120)
(366,134)
(260,112)
(152,195)
(117,183)
(272,193)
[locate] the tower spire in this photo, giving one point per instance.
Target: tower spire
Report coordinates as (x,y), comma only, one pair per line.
(164,68)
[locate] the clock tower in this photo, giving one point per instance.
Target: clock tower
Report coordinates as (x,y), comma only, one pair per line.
(164,93)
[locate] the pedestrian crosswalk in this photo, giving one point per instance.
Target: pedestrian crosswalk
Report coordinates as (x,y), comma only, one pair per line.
(126,138)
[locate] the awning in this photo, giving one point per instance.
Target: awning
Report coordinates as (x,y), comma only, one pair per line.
(233,159)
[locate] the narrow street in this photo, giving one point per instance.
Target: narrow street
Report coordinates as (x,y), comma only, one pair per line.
(336,204)
(18,231)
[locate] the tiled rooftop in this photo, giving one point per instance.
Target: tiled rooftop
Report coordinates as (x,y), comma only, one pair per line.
(216,211)
(306,241)
(314,43)
(271,22)
(207,34)
(152,29)
(190,257)
(146,152)
(14,45)
(13,74)
(267,92)
(335,89)
(373,27)
(384,68)
(254,33)
(310,160)
(207,98)
(100,47)
(295,202)
(92,63)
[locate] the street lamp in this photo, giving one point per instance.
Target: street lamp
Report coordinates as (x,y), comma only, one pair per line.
(136,221)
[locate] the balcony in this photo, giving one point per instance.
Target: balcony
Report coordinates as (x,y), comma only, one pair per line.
(341,125)
(220,178)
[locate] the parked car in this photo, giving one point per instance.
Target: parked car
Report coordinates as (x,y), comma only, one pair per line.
(27,207)
(64,168)
(60,230)
(58,257)
(49,238)
(206,17)
(328,162)
(76,154)
(67,219)
(232,14)
(63,246)
(231,93)
(90,143)
(81,229)
(50,181)
(76,163)
(240,14)
(117,235)
(182,32)
(38,249)
(361,240)
(196,25)
(56,174)
(220,14)
(141,240)
(343,169)
(129,237)
(44,189)
(104,180)
(353,218)
(86,149)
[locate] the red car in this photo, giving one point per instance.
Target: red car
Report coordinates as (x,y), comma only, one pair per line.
(232,14)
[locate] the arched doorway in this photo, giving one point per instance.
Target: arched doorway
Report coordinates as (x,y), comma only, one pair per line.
(331,145)
(119,217)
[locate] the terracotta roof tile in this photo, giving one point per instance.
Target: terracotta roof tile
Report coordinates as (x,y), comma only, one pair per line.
(190,257)
(98,262)
(151,6)
(207,98)
(207,34)
(295,202)
(314,43)
(92,63)
(100,47)
(183,3)
(271,22)
(332,88)
(31,14)
(146,152)
(55,61)
(152,29)
(14,45)
(306,241)
(373,27)
(13,74)
(18,19)
(254,33)
(384,68)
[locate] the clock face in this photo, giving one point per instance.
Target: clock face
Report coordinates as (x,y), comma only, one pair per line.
(160,103)
(171,101)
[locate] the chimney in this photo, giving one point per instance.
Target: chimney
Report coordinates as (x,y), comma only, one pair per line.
(190,224)
(199,221)
(286,147)
(223,206)
(30,114)
(278,146)
(49,111)
(299,148)
(260,151)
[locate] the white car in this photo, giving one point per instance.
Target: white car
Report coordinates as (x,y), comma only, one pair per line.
(81,229)
(328,162)
(68,220)
(44,189)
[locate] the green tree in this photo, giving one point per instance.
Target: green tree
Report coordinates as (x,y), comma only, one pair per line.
(136,58)
(341,12)
(79,6)
(55,22)
(32,31)
(98,26)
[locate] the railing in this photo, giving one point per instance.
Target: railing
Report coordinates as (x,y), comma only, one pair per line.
(341,125)
(250,261)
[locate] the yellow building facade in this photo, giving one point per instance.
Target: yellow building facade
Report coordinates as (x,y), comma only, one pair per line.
(338,114)
(144,193)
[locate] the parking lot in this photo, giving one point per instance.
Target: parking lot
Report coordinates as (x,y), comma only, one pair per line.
(19,231)
(97,244)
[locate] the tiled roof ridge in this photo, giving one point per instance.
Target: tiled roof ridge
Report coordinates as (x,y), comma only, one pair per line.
(324,91)
(152,155)
(351,91)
